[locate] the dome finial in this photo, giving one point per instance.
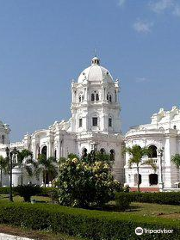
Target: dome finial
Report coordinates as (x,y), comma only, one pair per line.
(95,61)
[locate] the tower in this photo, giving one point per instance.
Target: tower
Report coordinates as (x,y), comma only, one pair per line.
(95,104)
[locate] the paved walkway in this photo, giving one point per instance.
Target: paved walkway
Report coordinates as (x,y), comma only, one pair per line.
(4,236)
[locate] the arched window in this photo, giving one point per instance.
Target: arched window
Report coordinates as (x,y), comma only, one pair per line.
(110,121)
(44,151)
(94,121)
(112,155)
(109,97)
(81,97)
(55,153)
(92,97)
(84,153)
(102,151)
(153,179)
(152,151)
(80,122)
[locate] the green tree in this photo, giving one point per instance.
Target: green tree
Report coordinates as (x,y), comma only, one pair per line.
(25,162)
(97,156)
(176,160)
(48,167)
(3,167)
(136,154)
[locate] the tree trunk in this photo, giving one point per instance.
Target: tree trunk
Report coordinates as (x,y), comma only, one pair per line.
(1,178)
(138,178)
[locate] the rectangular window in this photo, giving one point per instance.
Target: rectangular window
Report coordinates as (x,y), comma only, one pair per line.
(94,121)
(80,122)
(110,122)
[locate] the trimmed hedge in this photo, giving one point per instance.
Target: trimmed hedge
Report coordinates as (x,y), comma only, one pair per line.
(45,191)
(171,198)
(4,190)
(122,201)
(91,224)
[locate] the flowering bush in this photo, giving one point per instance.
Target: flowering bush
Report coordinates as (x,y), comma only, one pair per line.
(84,184)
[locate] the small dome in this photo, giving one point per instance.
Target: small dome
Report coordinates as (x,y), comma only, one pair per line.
(95,73)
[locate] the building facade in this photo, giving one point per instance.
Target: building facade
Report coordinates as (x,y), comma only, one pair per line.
(94,124)
(162,136)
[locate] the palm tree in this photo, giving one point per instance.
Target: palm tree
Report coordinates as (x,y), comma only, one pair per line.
(176,160)
(48,167)
(3,167)
(25,162)
(136,154)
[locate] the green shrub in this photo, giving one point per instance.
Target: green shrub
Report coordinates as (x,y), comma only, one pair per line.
(91,224)
(26,191)
(4,190)
(122,201)
(171,198)
(83,184)
(46,191)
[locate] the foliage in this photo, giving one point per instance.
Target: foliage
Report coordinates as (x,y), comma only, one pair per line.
(49,192)
(84,184)
(24,154)
(26,191)
(72,155)
(122,201)
(94,225)
(96,156)
(171,198)
(136,154)
(47,166)
(26,162)
(4,190)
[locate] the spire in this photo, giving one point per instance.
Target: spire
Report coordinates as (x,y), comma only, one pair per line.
(95,52)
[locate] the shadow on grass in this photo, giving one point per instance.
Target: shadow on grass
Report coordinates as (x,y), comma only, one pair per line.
(113,208)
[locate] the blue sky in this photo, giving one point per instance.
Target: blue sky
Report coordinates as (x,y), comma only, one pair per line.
(44,44)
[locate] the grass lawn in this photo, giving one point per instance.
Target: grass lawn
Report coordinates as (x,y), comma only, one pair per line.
(141,209)
(5,197)
(40,235)
(154,210)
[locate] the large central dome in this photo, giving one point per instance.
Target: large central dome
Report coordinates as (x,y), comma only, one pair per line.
(95,73)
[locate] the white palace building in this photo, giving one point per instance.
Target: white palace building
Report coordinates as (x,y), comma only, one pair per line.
(95,125)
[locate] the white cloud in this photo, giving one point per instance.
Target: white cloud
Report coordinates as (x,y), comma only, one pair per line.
(159,6)
(121,2)
(141,80)
(142,26)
